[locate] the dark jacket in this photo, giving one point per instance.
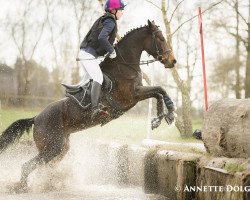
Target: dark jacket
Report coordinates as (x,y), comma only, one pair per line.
(101,35)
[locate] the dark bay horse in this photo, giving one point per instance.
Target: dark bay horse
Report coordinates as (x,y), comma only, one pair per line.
(58,120)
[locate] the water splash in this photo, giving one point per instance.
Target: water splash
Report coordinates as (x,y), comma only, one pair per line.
(90,170)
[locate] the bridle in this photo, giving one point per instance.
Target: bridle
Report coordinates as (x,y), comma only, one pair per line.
(159,56)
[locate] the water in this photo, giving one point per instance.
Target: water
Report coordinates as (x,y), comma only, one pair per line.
(90,171)
(91,192)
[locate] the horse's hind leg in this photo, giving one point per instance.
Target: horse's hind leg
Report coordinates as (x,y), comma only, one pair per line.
(51,151)
(27,168)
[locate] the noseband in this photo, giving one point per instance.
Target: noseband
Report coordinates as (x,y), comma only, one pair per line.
(154,43)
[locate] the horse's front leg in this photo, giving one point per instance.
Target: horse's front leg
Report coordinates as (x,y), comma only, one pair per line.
(145,92)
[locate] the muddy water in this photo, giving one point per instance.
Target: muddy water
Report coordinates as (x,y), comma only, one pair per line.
(87,172)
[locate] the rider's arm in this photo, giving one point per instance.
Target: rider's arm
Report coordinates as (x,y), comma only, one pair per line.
(108,26)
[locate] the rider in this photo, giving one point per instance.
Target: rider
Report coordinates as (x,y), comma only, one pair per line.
(97,42)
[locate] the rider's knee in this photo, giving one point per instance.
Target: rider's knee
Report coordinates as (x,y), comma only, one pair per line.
(98,80)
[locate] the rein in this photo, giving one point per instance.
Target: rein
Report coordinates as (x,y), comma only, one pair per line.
(159,56)
(144,62)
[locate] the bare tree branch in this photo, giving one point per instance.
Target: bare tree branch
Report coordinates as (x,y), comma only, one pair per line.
(227,29)
(175,10)
(233,6)
(209,8)
(15,40)
(38,39)
(240,38)
(153,4)
(52,40)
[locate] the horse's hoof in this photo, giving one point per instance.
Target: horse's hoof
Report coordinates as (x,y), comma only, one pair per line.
(18,188)
(155,123)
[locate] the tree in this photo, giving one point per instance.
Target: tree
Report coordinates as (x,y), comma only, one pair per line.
(52,25)
(26,33)
(81,10)
(241,33)
(37,86)
(233,29)
(183,121)
(224,75)
(247,45)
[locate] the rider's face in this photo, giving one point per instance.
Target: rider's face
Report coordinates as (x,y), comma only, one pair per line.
(119,14)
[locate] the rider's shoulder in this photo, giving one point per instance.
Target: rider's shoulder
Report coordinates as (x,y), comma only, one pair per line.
(108,21)
(108,16)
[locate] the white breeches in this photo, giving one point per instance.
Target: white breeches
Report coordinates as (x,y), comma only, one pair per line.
(91,67)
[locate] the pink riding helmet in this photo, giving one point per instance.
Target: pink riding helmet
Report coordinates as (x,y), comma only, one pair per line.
(114,5)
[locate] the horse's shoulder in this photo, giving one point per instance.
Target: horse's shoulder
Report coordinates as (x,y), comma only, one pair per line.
(107,62)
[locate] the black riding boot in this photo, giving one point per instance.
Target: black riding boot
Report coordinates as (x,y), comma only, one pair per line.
(95,96)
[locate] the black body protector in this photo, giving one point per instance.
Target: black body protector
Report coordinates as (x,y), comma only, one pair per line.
(91,39)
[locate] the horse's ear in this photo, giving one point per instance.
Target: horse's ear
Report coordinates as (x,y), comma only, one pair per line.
(149,24)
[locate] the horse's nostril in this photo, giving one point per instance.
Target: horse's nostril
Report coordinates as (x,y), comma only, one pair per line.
(174,61)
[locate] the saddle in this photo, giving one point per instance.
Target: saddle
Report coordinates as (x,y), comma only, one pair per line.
(81,93)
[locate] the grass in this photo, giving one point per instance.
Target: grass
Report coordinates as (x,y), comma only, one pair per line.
(129,128)
(133,129)
(234,167)
(9,115)
(197,123)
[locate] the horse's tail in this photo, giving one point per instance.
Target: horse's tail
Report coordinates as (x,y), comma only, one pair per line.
(14,132)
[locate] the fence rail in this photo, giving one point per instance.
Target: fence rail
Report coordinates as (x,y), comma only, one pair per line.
(26,101)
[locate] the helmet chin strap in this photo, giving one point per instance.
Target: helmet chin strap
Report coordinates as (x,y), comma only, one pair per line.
(115,14)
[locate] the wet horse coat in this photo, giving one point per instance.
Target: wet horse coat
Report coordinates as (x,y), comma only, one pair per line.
(59,119)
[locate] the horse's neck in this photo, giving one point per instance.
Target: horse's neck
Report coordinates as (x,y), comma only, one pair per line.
(129,51)
(131,48)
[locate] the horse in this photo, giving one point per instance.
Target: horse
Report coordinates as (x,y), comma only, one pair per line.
(53,126)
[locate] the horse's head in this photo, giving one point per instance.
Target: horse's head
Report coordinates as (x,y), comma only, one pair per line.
(157,46)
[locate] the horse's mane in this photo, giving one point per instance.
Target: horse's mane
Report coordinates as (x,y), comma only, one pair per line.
(107,61)
(129,33)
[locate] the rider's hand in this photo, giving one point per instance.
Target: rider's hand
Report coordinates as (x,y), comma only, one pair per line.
(112,55)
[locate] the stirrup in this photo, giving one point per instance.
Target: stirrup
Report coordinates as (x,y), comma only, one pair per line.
(99,112)
(103,112)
